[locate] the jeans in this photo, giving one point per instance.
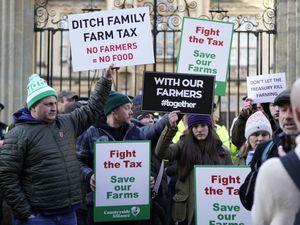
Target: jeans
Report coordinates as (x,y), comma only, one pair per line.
(39,219)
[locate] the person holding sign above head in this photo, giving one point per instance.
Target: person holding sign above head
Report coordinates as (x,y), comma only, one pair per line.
(238,125)
(199,145)
(38,166)
(258,129)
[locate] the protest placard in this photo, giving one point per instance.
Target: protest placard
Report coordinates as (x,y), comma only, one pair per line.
(265,88)
(205,49)
(217,195)
(122,37)
(122,171)
(189,93)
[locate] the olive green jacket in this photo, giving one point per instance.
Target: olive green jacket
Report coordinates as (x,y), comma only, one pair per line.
(183,207)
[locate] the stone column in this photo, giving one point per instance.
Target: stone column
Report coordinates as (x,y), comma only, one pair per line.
(16,52)
(288,39)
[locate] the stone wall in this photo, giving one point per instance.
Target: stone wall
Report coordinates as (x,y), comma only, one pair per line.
(16,50)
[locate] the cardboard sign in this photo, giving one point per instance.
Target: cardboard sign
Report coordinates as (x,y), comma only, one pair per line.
(189,93)
(122,37)
(205,49)
(217,195)
(122,181)
(265,88)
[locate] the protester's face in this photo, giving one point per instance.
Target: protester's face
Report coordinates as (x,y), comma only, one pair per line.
(200,131)
(45,110)
(274,110)
(123,114)
(259,107)
(147,119)
(64,101)
(258,137)
(286,120)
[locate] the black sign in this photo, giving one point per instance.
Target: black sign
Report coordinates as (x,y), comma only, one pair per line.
(189,93)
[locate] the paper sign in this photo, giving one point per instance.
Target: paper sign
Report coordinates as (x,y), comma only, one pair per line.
(265,88)
(189,93)
(122,181)
(205,48)
(217,195)
(122,37)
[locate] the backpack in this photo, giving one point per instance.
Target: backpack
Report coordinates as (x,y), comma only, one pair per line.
(291,163)
(246,191)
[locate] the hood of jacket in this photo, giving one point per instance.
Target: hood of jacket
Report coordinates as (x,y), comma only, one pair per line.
(23,115)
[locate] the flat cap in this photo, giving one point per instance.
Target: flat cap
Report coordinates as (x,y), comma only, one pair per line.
(67,94)
(283,97)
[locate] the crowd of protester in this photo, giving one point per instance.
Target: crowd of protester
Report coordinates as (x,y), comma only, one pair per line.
(47,155)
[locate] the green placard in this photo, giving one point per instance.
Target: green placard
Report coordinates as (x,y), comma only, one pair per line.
(220,88)
(122,173)
(205,47)
(122,213)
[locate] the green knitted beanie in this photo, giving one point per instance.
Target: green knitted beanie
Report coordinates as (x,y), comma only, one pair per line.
(115,100)
(38,89)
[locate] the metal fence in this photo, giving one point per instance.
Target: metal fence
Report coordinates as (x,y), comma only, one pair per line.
(252,53)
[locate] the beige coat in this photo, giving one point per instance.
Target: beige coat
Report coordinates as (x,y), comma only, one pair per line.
(276,198)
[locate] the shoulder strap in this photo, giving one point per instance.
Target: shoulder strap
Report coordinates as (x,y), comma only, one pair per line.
(158,179)
(291,163)
(266,151)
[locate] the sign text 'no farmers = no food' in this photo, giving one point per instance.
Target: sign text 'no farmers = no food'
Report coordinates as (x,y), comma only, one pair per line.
(122,37)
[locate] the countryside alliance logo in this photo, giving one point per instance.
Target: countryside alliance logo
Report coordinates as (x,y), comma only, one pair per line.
(135,210)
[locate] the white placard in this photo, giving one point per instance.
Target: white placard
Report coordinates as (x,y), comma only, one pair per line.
(265,88)
(122,37)
(122,173)
(205,47)
(217,195)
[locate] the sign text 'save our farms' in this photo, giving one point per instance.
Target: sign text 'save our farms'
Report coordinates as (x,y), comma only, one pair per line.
(122,180)
(217,195)
(205,48)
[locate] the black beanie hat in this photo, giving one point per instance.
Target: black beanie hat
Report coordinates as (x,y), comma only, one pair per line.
(138,113)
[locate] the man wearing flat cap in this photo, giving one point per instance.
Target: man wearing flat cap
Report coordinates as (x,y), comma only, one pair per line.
(64,98)
(283,139)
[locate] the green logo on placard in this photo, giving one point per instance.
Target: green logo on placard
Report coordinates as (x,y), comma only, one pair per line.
(135,210)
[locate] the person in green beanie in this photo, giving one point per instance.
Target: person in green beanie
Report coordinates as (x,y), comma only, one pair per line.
(117,127)
(39,171)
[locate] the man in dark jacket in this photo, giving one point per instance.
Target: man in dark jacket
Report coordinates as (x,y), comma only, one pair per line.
(118,127)
(38,166)
(284,137)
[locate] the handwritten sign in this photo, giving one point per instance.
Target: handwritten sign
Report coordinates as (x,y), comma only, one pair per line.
(217,195)
(205,48)
(122,181)
(189,93)
(265,88)
(122,37)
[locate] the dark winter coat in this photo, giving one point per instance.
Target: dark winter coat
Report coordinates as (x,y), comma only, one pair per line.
(38,166)
(247,188)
